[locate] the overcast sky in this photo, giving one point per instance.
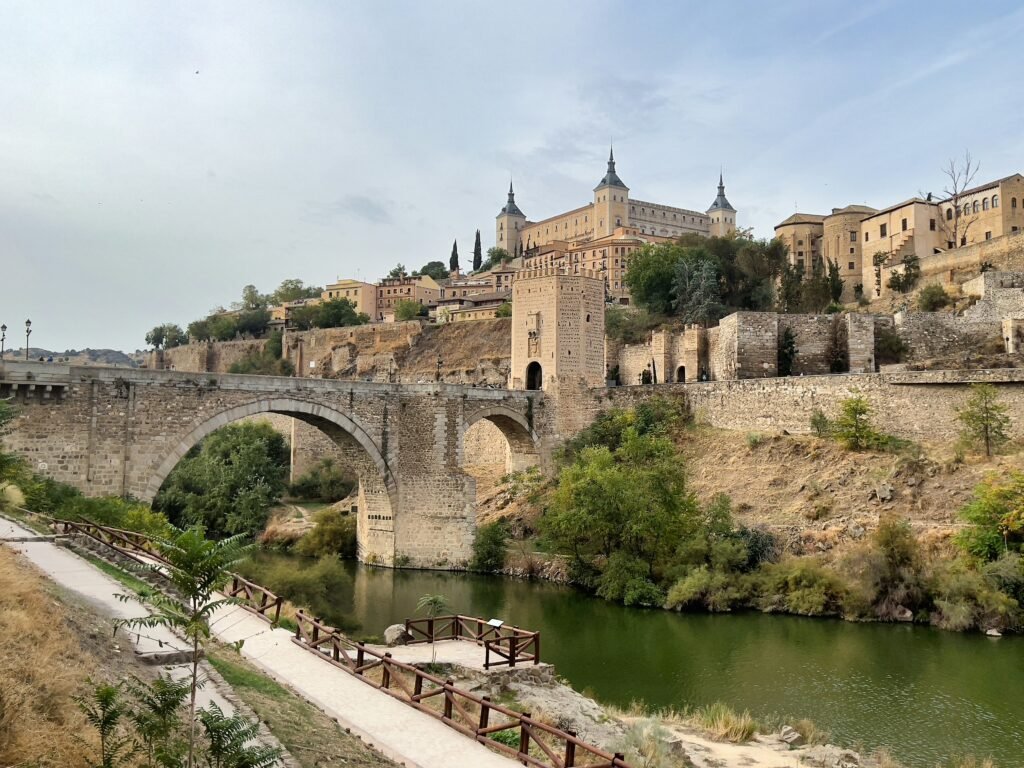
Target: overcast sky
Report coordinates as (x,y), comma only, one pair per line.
(157,156)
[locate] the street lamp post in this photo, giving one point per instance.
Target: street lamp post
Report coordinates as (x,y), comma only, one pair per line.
(3,338)
(28,332)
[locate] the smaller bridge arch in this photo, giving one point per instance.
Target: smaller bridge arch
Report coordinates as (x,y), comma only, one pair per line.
(523,441)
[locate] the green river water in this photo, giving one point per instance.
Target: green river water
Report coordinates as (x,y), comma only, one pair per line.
(924,693)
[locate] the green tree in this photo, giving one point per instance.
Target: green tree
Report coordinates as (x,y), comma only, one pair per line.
(904,280)
(505,310)
(490,547)
(994,517)
(790,299)
(434,269)
(222,327)
(166,336)
(252,299)
(853,425)
(156,716)
(650,276)
(985,420)
(294,289)
(407,309)
(495,257)
(253,322)
(433,606)
(787,352)
(266,362)
(453,261)
(199,330)
(196,569)
(229,481)
(697,294)
(477,253)
(835,281)
(397,271)
(334,313)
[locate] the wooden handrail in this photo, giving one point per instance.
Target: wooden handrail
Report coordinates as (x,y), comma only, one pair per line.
(329,644)
(504,642)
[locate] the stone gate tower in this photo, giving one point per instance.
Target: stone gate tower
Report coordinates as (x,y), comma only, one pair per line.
(557,330)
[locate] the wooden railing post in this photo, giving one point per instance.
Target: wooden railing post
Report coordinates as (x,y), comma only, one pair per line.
(417,687)
(513,649)
(570,751)
(536,648)
(360,656)
(485,712)
(448,699)
(385,678)
(430,630)
(524,736)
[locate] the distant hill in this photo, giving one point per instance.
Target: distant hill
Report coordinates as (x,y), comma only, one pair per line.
(81,356)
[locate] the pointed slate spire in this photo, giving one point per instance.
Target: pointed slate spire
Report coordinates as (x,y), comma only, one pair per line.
(721,202)
(611,178)
(510,206)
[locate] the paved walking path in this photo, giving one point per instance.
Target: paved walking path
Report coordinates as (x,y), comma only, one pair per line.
(393,728)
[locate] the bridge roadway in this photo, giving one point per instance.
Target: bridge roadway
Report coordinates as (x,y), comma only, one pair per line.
(120,431)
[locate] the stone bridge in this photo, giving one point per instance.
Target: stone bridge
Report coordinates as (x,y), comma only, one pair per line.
(120,431)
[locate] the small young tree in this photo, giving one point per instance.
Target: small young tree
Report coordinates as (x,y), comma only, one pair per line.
(407,309)
(853,426)
(959,177)
(478,254)
(105,710)
(835,281)
(433,606)
(985,420)
(196,569)
(231,741)
(932,297)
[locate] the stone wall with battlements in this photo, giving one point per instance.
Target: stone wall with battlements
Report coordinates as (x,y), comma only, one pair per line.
(204,356)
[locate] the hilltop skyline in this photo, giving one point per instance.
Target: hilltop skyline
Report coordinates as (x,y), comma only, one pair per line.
(159,157)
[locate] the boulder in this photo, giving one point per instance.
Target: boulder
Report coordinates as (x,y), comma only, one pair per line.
(903,614)
(791,736)
(993,632)
(396,635)
(884,491)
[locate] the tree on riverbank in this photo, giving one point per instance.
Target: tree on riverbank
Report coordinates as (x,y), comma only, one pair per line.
(228,482)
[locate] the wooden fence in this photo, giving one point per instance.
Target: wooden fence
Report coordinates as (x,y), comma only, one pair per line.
(509,645)
(140,548)
(539,744)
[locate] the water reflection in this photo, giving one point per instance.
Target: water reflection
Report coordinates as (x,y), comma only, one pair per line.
(924,693)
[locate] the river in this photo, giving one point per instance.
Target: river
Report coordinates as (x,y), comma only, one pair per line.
(923,693)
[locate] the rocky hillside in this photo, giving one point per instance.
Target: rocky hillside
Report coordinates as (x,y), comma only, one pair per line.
(814,495)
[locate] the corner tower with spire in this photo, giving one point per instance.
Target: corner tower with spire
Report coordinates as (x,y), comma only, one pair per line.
(611,201)
(721,214)
(509,224)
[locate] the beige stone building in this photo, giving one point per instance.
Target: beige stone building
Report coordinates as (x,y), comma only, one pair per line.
(362,295)
(801,233)
(557,329)
(599,230)
(391,290)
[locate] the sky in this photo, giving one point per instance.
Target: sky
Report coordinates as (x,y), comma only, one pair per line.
(155,157)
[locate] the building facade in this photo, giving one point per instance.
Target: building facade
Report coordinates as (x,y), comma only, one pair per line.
(362,295)
(391,290)
(600,235)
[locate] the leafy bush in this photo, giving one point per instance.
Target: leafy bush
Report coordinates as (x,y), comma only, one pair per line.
(754,439)
(265,362)
(116,513)
(995,518)
(489,548)
(325,482)
(710,589)
(801,585)
(889,347)
(932,297)
(631,325)
(965,599)
(333,534)
(890,572)
(626,579)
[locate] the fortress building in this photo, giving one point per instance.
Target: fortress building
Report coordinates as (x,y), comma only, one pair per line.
(599,236)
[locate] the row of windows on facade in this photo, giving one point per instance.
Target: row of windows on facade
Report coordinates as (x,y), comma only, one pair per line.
(976,207)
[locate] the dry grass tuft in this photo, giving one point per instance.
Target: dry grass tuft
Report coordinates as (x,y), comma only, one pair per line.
(42,666)
(725,724)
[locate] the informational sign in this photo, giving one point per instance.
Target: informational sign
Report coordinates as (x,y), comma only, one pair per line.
(495,623)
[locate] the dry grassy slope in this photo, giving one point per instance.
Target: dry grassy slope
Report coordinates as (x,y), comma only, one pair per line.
(463,347)
(818,496)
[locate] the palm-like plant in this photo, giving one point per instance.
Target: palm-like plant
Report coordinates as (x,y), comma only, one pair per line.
(157,717)
(232,741)
(433,606)
(105,710)
(196,567)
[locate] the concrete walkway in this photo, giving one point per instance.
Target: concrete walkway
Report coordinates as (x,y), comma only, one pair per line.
(393,728)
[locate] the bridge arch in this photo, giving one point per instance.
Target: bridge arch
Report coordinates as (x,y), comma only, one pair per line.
(523,449)
(334,423)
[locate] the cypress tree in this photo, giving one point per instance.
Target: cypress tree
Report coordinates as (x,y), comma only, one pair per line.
(478,256)
(453,262)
